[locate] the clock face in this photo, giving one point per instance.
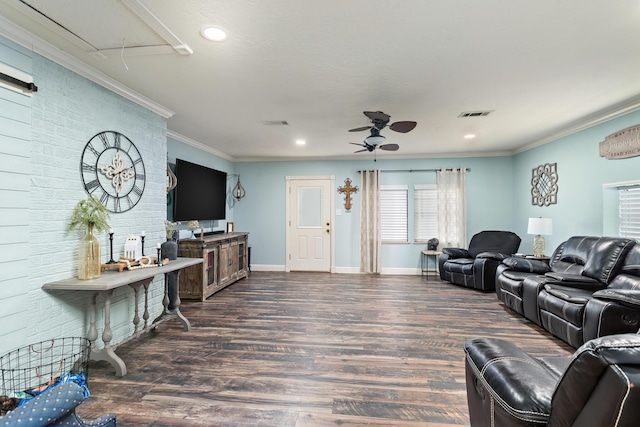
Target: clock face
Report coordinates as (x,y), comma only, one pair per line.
(113,171)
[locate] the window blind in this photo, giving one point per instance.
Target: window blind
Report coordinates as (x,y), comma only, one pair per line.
(629,207)
(425,212)
(393,214)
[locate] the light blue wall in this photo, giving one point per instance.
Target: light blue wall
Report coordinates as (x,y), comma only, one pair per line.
(180,150)
(263,211)
(581,175)
(66,112)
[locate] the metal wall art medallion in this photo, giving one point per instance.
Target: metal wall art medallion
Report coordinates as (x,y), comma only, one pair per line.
(544,185)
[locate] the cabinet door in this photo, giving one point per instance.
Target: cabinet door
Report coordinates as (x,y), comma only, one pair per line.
(211,267)
(233,259)
(242,258)
(225,273)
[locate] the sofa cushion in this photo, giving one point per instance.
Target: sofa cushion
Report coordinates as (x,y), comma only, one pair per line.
(460,265)
(565,302)
(606,258)
(527,265)
(504,242)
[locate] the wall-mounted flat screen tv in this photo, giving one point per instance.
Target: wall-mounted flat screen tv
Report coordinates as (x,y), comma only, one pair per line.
(200,194)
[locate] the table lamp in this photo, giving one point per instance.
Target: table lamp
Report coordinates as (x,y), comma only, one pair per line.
(539,227)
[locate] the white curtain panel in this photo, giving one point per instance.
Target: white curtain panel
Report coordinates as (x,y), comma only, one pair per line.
(370,241)
(452,208)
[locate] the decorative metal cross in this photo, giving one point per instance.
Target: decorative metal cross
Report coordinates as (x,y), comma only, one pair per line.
(347,190)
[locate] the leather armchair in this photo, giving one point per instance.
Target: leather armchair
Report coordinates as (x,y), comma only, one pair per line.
(55,407)
(597,386)
(476,266)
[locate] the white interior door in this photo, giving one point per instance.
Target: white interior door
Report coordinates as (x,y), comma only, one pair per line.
(310,227)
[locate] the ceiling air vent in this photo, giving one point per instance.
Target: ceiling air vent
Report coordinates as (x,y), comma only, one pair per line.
(275,123)
(475,113)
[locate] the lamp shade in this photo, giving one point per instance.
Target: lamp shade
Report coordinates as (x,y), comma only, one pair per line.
(541,226)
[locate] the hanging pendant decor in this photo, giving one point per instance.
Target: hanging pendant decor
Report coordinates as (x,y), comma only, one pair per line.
(172,180)
(238,191)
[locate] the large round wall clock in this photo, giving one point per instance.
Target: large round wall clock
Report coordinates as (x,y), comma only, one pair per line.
(113,171)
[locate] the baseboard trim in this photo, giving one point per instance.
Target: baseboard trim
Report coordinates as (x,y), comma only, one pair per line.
(344,270)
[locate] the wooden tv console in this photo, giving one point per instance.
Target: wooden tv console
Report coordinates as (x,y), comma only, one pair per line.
(225,261)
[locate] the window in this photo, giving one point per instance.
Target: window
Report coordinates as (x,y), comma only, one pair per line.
(425,212)
(629,209)
(393,213)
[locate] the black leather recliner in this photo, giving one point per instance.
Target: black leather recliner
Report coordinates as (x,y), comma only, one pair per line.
(598,386)
(476,267)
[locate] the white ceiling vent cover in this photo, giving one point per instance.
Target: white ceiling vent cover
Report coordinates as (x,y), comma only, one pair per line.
(475,113)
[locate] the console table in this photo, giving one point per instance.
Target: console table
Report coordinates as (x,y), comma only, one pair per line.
(107,283)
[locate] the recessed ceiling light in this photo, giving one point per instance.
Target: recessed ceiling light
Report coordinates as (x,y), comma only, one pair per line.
(469,136)
(300,142)
(212,33)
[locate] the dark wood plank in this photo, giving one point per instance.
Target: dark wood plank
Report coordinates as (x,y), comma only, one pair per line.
(305,349)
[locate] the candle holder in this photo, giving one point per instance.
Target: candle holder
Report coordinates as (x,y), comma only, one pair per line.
(111,261)
(142,239)
(159,260)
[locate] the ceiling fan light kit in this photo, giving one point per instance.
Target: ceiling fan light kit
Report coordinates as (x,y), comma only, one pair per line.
(379,121)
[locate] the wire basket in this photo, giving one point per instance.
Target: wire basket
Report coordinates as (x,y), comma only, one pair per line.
(35,365)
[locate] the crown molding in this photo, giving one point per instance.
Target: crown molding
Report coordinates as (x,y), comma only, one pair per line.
(602,116)
(200,146)
(43,48)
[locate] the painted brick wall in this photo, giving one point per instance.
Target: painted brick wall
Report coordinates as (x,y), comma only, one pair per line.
(66,112)
(15,167)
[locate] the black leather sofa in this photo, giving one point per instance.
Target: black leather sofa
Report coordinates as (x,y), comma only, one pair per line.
(476,266)
(597,386)
(555,296)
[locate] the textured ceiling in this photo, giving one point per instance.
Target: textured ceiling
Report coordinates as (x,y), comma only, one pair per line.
(543,67)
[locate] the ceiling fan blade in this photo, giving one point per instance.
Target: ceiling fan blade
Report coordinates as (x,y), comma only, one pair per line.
(403,127)
(360,151)
(360,129)
(377,115)
(389,147)
(359,145)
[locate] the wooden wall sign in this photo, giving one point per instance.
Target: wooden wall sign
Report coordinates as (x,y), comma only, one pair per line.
(347,190)
(622,144)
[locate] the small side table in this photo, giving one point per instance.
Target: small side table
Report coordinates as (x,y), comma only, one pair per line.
(424,262)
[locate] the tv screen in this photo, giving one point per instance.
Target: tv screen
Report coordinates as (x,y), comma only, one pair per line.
(200,194)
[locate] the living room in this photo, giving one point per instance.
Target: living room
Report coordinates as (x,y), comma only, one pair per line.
(44,135)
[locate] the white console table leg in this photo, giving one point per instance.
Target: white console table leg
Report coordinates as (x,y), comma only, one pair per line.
(185,322)
(106,353)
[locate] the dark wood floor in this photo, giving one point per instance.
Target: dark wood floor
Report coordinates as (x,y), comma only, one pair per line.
(305,349)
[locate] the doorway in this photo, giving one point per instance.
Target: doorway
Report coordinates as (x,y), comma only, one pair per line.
(310,219)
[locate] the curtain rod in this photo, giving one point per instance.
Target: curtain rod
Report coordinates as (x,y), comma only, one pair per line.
(418,170)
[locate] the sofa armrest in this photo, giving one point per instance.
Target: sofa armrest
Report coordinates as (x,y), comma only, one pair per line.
(628,297)
(575,281)
(456,253)
(526,265)
(492,255)
(506,372)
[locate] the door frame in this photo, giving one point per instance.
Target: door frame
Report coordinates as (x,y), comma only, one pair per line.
(332,215)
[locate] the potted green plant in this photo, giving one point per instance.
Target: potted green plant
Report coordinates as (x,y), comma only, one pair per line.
(89,216)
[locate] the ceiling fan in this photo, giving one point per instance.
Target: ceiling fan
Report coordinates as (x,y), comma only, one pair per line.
(379,121)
